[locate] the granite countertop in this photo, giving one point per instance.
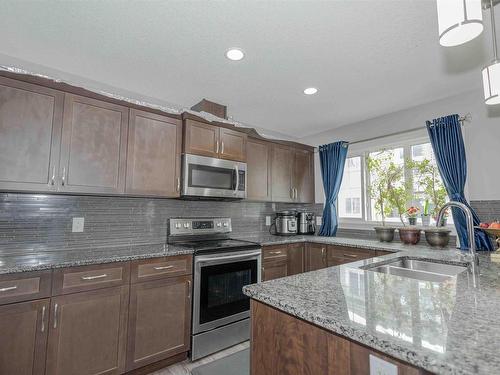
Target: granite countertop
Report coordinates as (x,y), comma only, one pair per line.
(33,260)
(446,328)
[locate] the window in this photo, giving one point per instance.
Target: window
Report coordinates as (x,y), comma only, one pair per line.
(349,199)
(410,160)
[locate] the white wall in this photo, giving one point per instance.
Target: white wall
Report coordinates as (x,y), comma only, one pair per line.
(482,138)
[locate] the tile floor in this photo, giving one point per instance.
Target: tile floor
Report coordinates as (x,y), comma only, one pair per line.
(185,367)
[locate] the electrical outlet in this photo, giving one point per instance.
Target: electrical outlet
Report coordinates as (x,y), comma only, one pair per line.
(380,367)
(319,220)
(78,223)
(268,220)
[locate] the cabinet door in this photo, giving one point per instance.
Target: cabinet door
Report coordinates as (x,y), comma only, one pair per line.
(154,155)
(201,139)
(303,176)
(233,145)
(315,256)
(159,320)
(274,270)
(88,333)
(296,258)
(259,170)
(30,136)
(23,333)
(282,164)
(93,150)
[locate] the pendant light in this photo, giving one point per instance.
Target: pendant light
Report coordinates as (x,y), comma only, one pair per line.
(491,74)
(459,21)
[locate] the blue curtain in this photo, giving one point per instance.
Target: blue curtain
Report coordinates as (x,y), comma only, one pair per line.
(332,159)
(448,145)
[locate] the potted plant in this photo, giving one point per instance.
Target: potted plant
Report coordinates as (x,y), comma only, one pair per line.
(426,216)
(379,191)
(412,213)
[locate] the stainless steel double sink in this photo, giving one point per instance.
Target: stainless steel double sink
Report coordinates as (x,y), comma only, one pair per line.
(418,269)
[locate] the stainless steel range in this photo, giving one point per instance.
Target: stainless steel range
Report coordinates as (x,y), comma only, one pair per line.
(222,266)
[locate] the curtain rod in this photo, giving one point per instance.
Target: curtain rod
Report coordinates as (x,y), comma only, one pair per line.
(462,119)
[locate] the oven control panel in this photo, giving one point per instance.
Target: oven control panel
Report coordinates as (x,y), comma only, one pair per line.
(205,225)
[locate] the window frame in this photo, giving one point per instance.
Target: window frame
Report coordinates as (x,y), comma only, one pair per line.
(362,150)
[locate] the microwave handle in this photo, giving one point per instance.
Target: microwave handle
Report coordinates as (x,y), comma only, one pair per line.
(237,179)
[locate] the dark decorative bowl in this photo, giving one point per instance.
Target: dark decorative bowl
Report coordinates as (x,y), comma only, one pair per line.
(437,237)
(385,234)
(409,236)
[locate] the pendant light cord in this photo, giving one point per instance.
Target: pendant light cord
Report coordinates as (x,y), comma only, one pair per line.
(493,29)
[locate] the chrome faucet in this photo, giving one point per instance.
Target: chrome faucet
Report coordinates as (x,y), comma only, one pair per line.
(470,225)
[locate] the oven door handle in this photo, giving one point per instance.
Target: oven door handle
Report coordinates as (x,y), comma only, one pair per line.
(237,179)
(229,257)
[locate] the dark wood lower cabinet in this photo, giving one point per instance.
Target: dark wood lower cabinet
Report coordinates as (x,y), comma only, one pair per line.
(296,258)
(159,320)
(274,270)
(87,333)
(283,344)
(23,337)
(315,256)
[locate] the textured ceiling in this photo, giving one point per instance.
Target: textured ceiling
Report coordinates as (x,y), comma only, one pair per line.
(367,58)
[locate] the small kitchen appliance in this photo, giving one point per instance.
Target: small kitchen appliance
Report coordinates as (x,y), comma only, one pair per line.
(306,223)
(286,223)
(222,266)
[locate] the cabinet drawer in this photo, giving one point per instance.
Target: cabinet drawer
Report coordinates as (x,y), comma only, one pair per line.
(349,253)
(78,279)
(25,286)
(159,268)
(274,253)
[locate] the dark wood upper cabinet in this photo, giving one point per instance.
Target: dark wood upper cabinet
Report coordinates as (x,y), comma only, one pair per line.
(213,141)
(201,139)
(259,170)
(30,135)
(316,256)
(94,146)
(159,320)
(296,255)
(303,176)
(282,172)
(154,155)
(233,145)
(23,337)
(87,332)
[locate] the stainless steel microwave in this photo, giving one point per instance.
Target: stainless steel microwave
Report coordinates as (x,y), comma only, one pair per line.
(210,177)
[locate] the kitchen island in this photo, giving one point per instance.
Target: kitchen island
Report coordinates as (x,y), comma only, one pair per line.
(332,320)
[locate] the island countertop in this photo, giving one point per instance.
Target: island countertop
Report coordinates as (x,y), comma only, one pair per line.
(445,328)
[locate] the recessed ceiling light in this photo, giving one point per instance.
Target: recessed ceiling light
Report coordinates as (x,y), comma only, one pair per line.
(310,91)
(235,54)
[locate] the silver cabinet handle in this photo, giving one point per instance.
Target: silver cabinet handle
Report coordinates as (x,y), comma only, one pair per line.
(217,147)
(56,308)
(222,147)
(275,252)
(94,277)
(296,193)
(8,289)
(53,178)
(189,289)
(42,329)
(63,178)
(350,255)
(291,193)
(159,268)
(178,184)
(323,253)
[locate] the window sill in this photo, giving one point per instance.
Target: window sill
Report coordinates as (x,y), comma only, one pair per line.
(368,225)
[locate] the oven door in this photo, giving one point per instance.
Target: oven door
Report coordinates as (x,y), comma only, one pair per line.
(210,177)
(218,282)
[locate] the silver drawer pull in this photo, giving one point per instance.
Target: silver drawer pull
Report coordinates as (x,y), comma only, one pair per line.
(275,252)
(159,268)
(350,255)
(94,277)
(9,288)
(43,319)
